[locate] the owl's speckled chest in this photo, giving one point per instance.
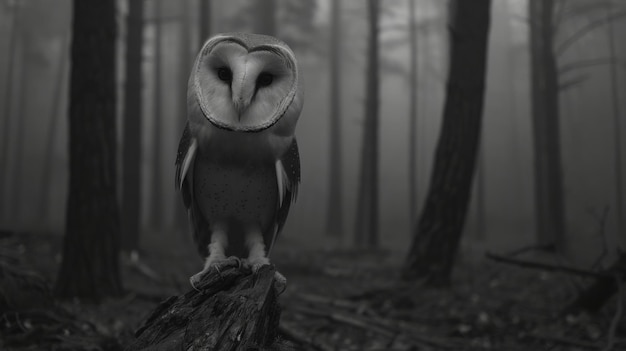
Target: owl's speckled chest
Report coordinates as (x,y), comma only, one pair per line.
(238,195)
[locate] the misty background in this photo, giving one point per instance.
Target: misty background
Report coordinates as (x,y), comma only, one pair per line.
(34,71)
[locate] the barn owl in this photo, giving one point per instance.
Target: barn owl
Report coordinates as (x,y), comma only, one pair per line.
(238,166)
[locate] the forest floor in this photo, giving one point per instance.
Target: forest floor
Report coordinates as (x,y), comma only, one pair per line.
(335,300)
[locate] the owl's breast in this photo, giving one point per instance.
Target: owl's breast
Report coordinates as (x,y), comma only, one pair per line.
(226,146)
(241,197)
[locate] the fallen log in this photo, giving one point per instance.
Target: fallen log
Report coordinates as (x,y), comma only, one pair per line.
(595,296)
(232,309)
(549,267)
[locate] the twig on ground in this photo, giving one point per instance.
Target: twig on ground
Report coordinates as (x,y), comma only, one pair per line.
(545,248)
(302,338)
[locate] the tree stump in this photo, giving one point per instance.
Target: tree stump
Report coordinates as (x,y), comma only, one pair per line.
(601,291)
(233,309)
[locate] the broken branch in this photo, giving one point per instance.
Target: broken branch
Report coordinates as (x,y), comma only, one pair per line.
(549,267)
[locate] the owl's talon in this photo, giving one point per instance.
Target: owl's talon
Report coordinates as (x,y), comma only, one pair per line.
(195,279)
(218,264)
(236,260)
(257,262)
(280,283)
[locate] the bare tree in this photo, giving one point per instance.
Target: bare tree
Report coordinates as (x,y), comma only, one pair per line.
(157,179)
(90,266)
(617,128)
(412,112)
(334,216)
(131,173)
(549,205)
(433,250)
(8,93)
(367,206)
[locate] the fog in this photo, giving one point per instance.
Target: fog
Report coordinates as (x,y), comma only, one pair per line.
(501,217)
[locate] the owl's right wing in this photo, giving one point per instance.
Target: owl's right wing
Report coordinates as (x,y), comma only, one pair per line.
(185,158)
(184,161)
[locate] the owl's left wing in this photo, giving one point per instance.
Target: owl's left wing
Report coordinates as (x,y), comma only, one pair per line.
(288,176)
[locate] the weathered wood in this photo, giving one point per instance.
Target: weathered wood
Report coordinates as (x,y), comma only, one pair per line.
(233,309)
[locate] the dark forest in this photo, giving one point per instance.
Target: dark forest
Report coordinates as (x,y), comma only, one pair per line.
(458,180)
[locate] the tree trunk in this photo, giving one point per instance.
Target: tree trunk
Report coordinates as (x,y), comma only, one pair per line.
(55,114)
(20,136)
(617,128)
(265,17)
(131,187)
(367,206)
(90,265)
(205,21)
(334,216)
(549,204)
(157,180)
(481,221)
(412,113)
(8,104)
(433,250)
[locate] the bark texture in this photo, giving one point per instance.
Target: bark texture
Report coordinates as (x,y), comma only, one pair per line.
(549,206)
(234,309)
(433,250)
(90,265)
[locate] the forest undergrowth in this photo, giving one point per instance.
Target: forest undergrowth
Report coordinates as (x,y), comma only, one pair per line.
(335,300)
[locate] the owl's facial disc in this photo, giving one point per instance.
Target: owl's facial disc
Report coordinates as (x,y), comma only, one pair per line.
(245,89)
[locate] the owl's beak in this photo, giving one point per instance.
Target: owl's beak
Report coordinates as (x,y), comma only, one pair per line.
(243,91)
(240,105)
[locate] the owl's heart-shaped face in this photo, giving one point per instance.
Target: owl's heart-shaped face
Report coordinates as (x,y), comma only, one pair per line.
(245,82)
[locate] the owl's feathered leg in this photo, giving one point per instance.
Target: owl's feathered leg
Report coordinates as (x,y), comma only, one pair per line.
(257,257)
(217,257)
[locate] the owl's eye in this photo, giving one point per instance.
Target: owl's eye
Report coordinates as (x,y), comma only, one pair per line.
(224,74)
(264,79)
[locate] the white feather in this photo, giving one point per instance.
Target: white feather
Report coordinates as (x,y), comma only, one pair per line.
(191,153)
(281,178)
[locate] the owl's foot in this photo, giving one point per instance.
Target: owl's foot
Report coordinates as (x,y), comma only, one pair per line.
(218,263)
(257,258)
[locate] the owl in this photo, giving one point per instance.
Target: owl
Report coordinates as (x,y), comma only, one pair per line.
(238,166)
